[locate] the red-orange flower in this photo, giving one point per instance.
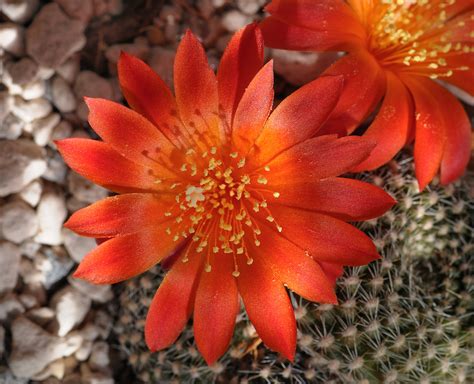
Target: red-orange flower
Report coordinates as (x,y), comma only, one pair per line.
(396,50)
(233,199)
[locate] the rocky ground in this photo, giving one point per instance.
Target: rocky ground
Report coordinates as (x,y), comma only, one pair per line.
(54,328)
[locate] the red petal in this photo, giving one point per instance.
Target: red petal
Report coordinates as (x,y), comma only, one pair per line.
(196,88)
(98,162)
(364,85)
(144,90)
(124,257)
(325,238)
(346,199)
(332,271)
(392,127)
(253,109)
(461,78)
(216,308)
(241,61)
(318,158)
(297,118)
(268,307)
(173,303)
(119,215)
(129,133)
(430,135)
(294,267)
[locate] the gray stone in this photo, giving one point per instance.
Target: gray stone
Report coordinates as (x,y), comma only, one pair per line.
(32,193)
(82,10)
(99,293)
(71,308)
(33,348)
(21,162)
(11,127)
(84,190)
(162,61)
(99,358)
(234,20)
(63,97)
(10,307)
(90,84)
(51,214)
(6,377)
(53,265)
(61,131)
(2,342)
(5,105)
(29,110)
(42,129)
(57,169)
(33,90)
(12,38)
(29,248)
(19,11)
(20,72)
(77,246)
(53,37)
(18,221)
(69,70)
(9,266)
(250,7)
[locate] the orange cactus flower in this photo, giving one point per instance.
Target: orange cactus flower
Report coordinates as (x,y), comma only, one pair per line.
(233,199)
(395,51)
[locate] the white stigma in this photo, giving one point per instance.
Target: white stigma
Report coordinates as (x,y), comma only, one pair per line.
(193,195)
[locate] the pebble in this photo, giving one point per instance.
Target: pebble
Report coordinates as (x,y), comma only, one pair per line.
(84,190)
(21,162)
(69,70)
(29,248)
(19,11)
(63,97)
(12,38)
(77,246)
(61,131)
(53,265)
(99,358)
(51,214)
(99,293)
(53,37)
(71,308)
(56,369)
(234,20)
(57,169)
(20,72)
(10,307)
(161,61)
(138,48)
(11,127)
(42,129)
(90,84)
(18,221)
(2,342)
(41,316)
(82,10)
(29,110)
(107,7)
(9,266)
(33,90)
(30,344)
(5,105)
(7,378)
(32,193)
(250,7)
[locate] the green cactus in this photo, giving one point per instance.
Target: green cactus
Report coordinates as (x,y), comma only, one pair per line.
(403,319)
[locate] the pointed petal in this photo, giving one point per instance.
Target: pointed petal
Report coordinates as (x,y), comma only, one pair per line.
(268,307)
(346,199)
(98,162)
(129,133)
(392,126)
(253,109)
(307,109)
(364,85)
(124,257)
(242,59)
(430,135)
(325,238)
(292,266)
(173,303)
(196,88)
(144,90)
(318,158)
(119,215)
(216,308)
(332,271)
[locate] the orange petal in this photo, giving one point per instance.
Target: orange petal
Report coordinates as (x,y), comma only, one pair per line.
(124,257)
(463,79)
(119,215)
(318,158)
(297,118)
(242,59)
(129,133)
(98,162)
(392,126)
(144,90)
(196,89)
(216,308)
(346,199)
(173,303)
(430,134)
(293,266)
(364,85)
(253,109)
(268,307)
(332,271)
(326,239)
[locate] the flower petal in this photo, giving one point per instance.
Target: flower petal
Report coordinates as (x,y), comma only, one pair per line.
(216,308)
(98,162)
(364,86)
(130,134)
(268,307)
(318,158)
(325,238)
(463,79)
(119,215)
(392,127)
(346,199)
(253,110)
(332,271)
(242,59)
(124,257)
(196,89)
(173,303)
(306,109)
(293,266)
